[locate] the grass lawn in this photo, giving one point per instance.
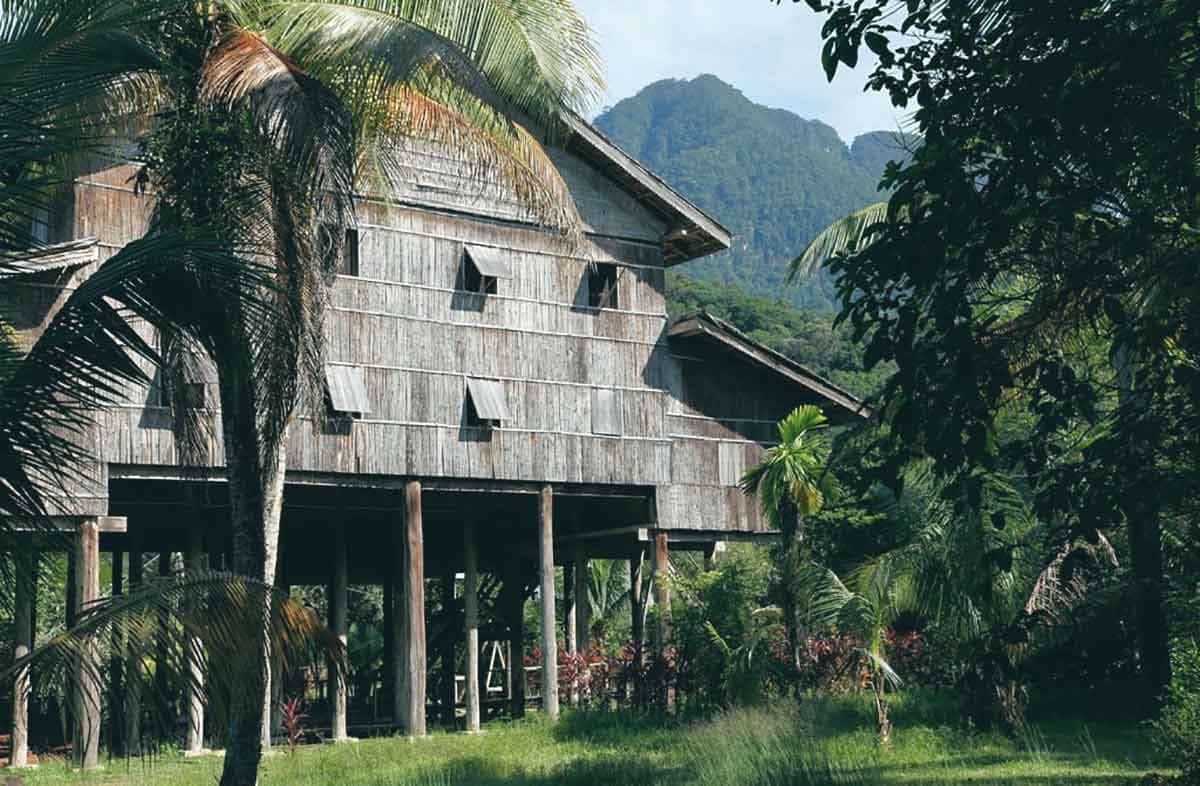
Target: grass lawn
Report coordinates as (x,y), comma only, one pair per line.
(829,743)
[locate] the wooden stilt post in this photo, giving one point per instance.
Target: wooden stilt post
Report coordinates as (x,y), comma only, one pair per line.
(133,674)
(549,619)
(410,612)
(637,634)
(583,602)
(194,741)
(162,680)
(662,591)
(569,631)
(711,552)
(471,615)
(662,599)
(116,688)
(388,689)
(569,634)
(339,589)
(22,641)
(449,686)
(86,739)
(514,609)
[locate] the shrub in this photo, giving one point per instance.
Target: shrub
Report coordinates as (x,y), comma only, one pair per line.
(1177,731)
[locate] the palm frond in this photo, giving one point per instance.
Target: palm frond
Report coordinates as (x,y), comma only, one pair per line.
(846,235)
(159,622)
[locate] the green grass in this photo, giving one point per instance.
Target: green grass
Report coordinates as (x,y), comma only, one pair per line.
(827,742)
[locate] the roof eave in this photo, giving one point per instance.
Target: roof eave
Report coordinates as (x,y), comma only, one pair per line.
(692,234)
(703,324)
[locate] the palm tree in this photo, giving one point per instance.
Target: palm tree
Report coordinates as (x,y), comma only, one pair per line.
(293,145)
(608,593)
(866,612)
(792,483)
(68,72)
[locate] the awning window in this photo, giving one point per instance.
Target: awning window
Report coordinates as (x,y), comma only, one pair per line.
(347,390)
(482,268)
(487,404)
(489,261)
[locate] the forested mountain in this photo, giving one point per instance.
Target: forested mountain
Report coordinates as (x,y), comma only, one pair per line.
(773,178)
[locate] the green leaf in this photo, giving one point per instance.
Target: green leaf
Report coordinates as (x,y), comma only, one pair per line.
(829,58)
(877,43)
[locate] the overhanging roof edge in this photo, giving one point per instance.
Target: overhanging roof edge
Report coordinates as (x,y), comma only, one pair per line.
(704,324)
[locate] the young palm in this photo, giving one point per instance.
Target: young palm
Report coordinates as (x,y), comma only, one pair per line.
(867,612)
(792,483)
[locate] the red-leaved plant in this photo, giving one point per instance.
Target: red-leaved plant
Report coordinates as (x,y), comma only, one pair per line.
(293,715)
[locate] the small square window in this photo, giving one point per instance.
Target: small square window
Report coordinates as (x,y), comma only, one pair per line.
(602,285)
(345,392)
(487,404)
(482,268)
(607,418)
(339,257)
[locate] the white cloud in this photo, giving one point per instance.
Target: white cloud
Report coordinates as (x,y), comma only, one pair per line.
(770,52)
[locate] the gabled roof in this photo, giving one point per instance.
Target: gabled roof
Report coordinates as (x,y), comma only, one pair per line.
(693,233)
(841,406)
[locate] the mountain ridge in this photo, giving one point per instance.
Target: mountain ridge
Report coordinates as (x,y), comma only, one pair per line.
(773,178)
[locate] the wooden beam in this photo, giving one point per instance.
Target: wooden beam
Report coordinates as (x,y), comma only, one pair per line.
(71,524)
(471,608)
(86,705)
(339,588)
(22,640)
(639,534)
(449,639)
(549,618)
(409,708)
(570,632)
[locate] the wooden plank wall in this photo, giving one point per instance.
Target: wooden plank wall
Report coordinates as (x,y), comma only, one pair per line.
(417,337)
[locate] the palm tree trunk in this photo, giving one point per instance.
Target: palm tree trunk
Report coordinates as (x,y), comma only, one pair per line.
(792,541)
(256,475)
(883,723)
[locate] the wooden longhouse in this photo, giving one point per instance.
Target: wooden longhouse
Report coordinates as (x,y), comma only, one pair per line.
(503,402)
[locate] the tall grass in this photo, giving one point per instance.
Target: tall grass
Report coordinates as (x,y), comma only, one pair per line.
(781,746)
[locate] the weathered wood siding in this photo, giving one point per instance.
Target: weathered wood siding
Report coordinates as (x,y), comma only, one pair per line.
(417,337)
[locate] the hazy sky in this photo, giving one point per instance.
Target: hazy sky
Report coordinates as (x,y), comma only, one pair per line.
(770,52)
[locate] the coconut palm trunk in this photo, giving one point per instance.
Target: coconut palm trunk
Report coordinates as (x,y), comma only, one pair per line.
(256,476)
(793,538)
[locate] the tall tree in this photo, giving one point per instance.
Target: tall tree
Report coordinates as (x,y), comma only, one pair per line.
(1055,198)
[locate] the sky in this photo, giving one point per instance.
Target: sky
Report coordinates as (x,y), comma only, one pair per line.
(770,52)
